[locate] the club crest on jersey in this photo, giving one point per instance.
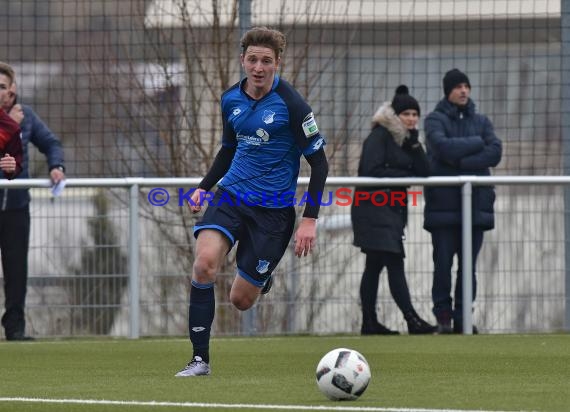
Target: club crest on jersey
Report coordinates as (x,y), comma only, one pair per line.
(310,127)
(263,134)
(268,116)
(262,266)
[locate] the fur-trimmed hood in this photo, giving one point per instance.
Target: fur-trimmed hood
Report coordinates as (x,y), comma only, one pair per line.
(385,116)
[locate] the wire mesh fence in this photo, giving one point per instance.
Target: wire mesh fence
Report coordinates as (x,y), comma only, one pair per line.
(79,272)
(132,87)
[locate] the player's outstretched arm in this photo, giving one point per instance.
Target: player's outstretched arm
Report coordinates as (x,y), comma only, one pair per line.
(306,234)
(221,165)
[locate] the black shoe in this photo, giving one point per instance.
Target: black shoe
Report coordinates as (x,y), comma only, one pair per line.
(267,287)
(376,328)
(458,328)
(444,323)
(19,337)
(418,326)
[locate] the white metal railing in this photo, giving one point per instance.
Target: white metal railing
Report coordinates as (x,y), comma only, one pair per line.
(466,183)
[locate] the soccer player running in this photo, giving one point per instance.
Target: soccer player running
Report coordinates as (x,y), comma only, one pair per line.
(267,126)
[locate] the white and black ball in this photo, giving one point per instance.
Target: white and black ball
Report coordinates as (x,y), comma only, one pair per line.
(343,374)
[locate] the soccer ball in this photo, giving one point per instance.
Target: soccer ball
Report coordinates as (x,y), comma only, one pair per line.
(343,374)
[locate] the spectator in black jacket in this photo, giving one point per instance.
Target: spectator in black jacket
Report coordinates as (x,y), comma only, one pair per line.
(15,211)
(391,150)
(459,142)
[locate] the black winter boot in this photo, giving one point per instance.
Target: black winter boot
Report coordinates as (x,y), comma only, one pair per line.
(418,326)
(444,323)
(376,328)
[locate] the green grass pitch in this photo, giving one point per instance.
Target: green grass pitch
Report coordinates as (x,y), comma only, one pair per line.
(413,373)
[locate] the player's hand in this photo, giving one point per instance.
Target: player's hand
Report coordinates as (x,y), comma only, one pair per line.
(197,198)
(306,236)
(8,164)
(16,113)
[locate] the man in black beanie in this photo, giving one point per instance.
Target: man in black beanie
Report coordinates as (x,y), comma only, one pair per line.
(454,78)
(459,142)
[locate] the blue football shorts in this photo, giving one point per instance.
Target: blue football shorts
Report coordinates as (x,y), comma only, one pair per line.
(262,234)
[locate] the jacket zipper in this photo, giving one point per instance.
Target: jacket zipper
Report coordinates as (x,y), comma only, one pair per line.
(5,199)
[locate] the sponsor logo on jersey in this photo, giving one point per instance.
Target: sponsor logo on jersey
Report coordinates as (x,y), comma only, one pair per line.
(263,134)
(268,116)
(262,266)
(310,127)
(236,111)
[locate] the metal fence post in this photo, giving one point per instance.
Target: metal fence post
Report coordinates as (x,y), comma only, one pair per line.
(293,282)
(565,126)
(467,264)
(134,281)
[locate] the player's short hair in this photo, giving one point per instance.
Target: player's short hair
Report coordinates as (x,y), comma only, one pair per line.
(7,71)
(266,37)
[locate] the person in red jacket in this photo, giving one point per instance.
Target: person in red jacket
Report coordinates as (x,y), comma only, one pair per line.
(10,143)
(11,151)
(13,234)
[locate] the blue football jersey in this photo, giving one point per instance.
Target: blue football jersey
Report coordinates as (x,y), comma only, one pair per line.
(269,135)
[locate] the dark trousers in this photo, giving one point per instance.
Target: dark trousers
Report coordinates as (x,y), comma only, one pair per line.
(447,243)
(375,262)
(14,240)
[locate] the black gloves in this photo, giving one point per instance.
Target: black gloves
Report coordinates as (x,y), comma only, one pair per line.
(411,142)
(414,133)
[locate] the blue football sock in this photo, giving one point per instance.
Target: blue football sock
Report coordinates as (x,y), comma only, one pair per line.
(201,316)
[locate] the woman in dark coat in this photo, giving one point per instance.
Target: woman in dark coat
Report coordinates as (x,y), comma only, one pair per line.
(391,150)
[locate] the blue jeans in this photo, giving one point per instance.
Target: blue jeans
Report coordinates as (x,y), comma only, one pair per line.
(447,243)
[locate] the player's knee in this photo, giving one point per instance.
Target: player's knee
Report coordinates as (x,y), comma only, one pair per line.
(241,301)
(204,269)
